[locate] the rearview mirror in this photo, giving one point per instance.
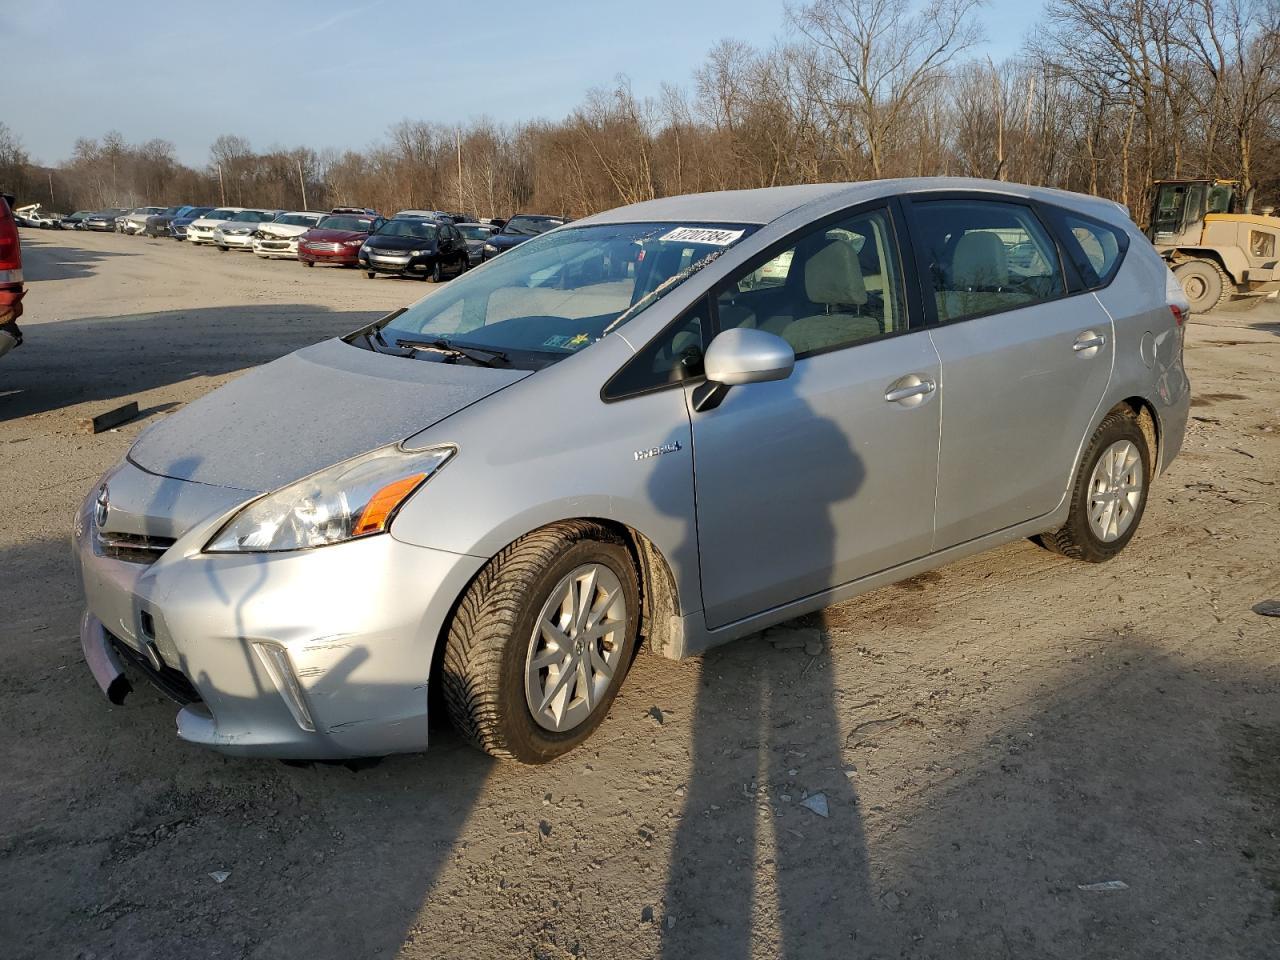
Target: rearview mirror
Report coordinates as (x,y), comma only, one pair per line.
(738,356)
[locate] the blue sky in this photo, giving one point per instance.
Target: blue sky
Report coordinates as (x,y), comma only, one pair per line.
(337,73)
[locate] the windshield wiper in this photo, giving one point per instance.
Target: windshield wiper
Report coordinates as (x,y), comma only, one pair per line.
(481,355)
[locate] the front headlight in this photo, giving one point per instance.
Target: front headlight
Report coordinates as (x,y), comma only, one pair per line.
(356,498)
(419,253)
(353,243)
(490,248)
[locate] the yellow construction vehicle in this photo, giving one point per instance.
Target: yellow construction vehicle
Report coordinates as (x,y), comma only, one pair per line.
(1214,243)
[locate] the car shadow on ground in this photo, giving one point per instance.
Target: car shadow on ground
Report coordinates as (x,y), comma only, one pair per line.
(115,833)
(114,358)
(54,261)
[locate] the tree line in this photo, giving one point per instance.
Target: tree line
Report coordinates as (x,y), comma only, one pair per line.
(1103,97)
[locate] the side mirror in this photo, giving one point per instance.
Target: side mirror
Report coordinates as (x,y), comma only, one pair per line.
(738,356)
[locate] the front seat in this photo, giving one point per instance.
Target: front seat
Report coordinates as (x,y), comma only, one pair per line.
(833,281)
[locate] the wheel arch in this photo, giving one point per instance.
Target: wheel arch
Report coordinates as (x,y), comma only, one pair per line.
(1232,262)
(1144,411)
(661,624)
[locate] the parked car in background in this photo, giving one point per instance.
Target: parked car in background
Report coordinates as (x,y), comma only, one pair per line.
(75,221)
(614,426)
(178,225)
(476,235)
(237,233)
(200,230)
(279,238)
(44,220)
(12,289)
(337,239)
(103,220)
(426,249)
(517,230)
(158,226)
(365,211)
(135,221)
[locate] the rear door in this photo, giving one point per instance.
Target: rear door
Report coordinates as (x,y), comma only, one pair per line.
(1025,362)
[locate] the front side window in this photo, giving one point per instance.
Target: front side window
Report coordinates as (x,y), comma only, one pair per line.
(983,256)
(835,287)
(557,294)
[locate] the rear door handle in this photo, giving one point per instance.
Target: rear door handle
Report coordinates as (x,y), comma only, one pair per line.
(1088,341)
(909,390)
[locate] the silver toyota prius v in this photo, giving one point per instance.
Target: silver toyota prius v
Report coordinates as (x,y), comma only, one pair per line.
(672,424)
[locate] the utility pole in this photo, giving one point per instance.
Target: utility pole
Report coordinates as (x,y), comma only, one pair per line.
(222,187)
(457,140)
(51,189)
(302,183)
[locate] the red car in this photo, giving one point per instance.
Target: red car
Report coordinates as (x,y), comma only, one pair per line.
(337,238)
(11,288)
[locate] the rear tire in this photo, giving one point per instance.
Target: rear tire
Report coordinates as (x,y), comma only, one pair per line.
(308,263)
(1109,495)
(1205,284)
(371,275)
(436,274)
(491,673)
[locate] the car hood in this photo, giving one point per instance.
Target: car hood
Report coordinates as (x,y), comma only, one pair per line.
(504,241)
(399,243)
(285,231)
(321,405)
(334,236)
(205,222)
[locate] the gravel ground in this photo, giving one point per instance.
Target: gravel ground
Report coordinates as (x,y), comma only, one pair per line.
(985,739)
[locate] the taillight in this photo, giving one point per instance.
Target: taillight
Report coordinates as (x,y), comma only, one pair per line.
(1179,315)
(10,248)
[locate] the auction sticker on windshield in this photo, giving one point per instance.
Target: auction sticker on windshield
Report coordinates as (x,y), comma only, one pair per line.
(719,238)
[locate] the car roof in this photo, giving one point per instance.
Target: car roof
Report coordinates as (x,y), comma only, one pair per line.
(766,204)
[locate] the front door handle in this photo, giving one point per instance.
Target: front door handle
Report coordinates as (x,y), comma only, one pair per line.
(1088,341)
(910,390)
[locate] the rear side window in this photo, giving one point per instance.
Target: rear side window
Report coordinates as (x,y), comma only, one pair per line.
(1094,248)
(985,256)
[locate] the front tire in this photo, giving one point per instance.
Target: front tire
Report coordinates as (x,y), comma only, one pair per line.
(1205,284)
(371,275)
(540,642)
(436,274)
(1109,495)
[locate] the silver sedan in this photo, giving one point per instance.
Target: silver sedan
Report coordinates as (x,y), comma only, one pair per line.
(670,425)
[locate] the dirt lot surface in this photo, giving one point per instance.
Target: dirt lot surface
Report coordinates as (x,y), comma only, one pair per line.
(987,739)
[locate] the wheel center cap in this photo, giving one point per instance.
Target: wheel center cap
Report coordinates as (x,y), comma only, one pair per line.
(578,646)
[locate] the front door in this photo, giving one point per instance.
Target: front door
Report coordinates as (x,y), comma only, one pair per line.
(810,482)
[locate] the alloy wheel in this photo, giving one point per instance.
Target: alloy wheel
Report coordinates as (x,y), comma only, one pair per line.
(1115,490)
(576,647)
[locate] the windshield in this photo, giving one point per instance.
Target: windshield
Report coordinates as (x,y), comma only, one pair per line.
(476,233)
(530,226)
(356,224)
(553,296)
(297,220)
(220,215)
(407,228)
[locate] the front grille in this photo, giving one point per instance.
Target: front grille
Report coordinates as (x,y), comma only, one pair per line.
(133,547)
(172,683)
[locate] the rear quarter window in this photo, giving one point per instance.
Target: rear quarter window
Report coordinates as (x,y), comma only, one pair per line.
(1095,249)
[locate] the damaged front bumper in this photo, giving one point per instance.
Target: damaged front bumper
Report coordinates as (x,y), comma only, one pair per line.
(318,654)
